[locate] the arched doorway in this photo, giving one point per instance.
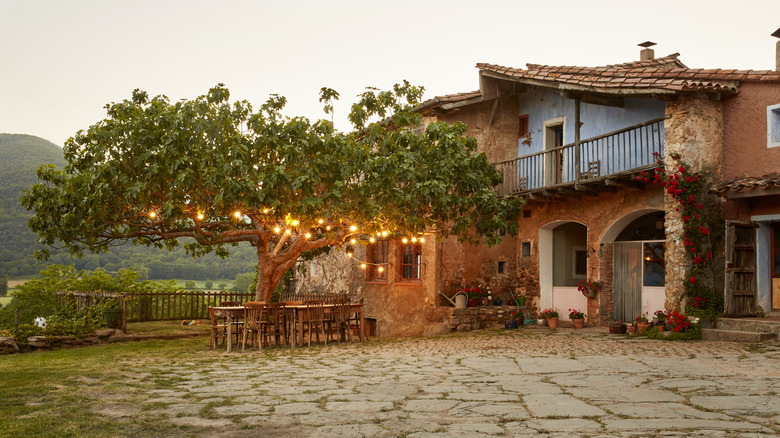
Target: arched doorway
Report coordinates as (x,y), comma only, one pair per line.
(639,267)
(563,253)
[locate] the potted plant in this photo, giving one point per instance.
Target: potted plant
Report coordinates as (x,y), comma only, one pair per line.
(642,323)
(660,319)
(617,327)
(474,294)
(514,320)
(589,288)
(551,315)
(631,328)
(577,317)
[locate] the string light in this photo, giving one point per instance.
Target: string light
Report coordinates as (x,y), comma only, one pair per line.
(372,240)
(328,228)
(237,214)
(381,269)
(349,254)
(384,233)
(404,240)
(353,241)
(320,221)
(308,235)
(288,231)
(422,239)
(277,230)
(152,214)
(265,211)
(294,222)
(353,228)
(200,216)
(414,239)
(362,266)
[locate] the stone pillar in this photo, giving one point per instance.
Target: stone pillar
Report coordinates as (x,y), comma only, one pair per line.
(694,130)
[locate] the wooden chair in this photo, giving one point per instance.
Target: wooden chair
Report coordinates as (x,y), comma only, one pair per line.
(236,329)
(217,330)
(341,319)
(314,319)
(275,326)
(253,323)
(354,320)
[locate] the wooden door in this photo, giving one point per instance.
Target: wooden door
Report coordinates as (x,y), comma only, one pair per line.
(627,280)
(775,266)
(741,296)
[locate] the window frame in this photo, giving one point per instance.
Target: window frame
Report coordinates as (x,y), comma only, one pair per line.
(415,266)
(377,254)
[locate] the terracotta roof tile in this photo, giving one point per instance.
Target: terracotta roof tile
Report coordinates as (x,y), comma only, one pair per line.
(664,73)
(747,183)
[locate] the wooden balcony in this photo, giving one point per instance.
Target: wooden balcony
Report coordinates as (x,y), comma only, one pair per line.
(596,164)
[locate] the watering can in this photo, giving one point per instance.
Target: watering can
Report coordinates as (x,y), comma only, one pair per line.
(459,301)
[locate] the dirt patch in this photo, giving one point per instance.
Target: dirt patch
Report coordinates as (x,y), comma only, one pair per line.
(16,283)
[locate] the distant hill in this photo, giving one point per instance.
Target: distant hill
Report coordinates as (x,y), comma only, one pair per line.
(20,157)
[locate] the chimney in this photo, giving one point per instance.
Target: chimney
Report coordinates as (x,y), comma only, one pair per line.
(647,53)
(776,34)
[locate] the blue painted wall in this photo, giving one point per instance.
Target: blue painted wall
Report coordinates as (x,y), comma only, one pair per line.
(610,155)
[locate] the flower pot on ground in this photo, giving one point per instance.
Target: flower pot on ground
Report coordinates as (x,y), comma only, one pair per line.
(577,317)
(642,327)
(513,324)
(473,302)
(618,328)
(552,322)
(541,321)
(631,329)
(498,302)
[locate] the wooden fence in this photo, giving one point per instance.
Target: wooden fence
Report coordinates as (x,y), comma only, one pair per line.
(162,306)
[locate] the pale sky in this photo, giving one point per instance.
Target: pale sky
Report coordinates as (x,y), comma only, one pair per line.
(62,61)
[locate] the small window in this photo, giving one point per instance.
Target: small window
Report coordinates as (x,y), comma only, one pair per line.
(501,268)
(580,262)
(522,126)
(376,269)
(773,126)
(525,249)
(411,262)
(502,232)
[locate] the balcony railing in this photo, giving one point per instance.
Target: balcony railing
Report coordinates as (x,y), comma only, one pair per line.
(618,152)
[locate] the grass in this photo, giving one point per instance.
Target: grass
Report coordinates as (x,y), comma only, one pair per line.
(54,393)
(166,328)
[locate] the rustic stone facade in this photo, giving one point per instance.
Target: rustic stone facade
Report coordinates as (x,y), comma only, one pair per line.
(475,318)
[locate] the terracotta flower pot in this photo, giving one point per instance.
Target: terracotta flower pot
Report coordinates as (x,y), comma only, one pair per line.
(643,326)
(552,322)
(473,302)
(631,329)
(618,329)
(578,323)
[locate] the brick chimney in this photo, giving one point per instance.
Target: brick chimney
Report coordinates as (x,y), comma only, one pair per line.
(776,34)
(646,54)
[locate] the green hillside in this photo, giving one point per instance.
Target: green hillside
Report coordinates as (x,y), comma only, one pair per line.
(20,157)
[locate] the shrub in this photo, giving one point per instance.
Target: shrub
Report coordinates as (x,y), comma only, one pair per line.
(189,284)
(209,284)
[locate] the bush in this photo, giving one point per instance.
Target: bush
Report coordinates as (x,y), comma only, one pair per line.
(3,286)
(189,284)
(690,334)
(209,284)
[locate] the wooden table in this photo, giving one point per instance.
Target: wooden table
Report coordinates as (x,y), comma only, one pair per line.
(353,308)
(229,313)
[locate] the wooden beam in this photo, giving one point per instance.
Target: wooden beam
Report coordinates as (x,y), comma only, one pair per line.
(632,184)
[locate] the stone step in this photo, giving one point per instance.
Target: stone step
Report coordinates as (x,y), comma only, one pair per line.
(735,335)
(748,325)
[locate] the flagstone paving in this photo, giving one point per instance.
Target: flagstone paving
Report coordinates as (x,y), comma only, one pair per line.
(528,382)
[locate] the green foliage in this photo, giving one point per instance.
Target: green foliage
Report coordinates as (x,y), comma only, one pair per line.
(244,282)
(208,284)
(189,284)
(691,334)
(3,286)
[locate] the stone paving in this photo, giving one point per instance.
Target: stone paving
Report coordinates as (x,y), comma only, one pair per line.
(528,382)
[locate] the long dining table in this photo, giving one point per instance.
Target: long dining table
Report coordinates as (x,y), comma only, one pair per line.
(233,313)
(298,309)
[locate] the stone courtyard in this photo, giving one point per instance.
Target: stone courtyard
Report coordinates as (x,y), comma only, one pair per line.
(527,382)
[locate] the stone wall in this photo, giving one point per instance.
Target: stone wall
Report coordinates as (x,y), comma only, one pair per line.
(475,318)
(694,130)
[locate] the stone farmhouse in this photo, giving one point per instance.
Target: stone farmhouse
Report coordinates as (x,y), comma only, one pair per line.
(571,141)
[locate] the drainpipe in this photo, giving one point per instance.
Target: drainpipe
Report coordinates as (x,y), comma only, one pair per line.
(576,143)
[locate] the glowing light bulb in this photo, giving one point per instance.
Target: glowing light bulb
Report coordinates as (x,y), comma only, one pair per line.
(372,240)
(152,214)
(328,228)
(404,240)
(320,221)
(362,266)
(200,216)
(384,233)
(353,241)
(308,235)
(422,239)
(265,211)
(277,230)
(294,223)
(353,228)
(349,254)
(380,269)
(414,239)
(288,231)
(237,214)
(378,234)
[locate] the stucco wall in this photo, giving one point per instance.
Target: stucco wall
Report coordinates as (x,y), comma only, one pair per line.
(745,151)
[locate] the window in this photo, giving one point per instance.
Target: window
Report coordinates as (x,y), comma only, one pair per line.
(411,262)
(654,266)
(376,254)
(580,262)
(522,126)
(526,249)
(773,126)
(501,268)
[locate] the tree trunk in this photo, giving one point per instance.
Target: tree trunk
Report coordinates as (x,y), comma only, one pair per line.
(270,271)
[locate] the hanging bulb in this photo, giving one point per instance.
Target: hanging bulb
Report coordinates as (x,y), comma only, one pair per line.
(372,240)
(353,241)
(265,211)
(327,228)
(414,239)
(152,214)
(237,214)
(404,240)
(200,216)
(277,230)
(288,231)
(380,269)
(294,222)
(422,239)
(362,266)
(384,233)
(320,221)
(349,254)
(353,228)
(308,235)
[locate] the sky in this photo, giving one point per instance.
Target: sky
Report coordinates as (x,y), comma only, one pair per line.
(63,61)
